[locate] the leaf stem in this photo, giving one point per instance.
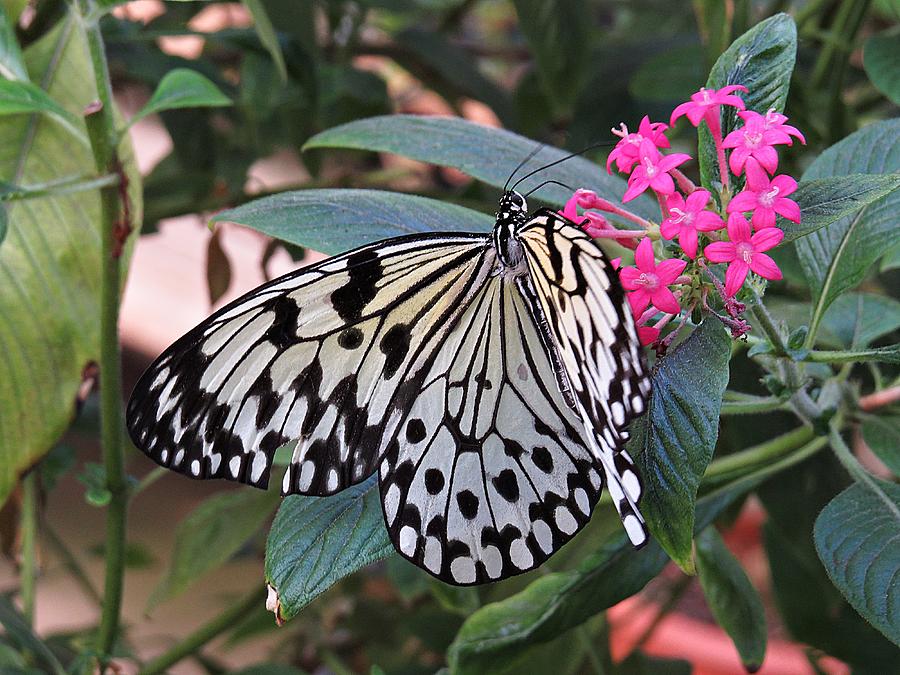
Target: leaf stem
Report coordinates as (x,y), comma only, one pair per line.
(62,186)
(744,461)
(101,128)
(30,498)
(856,470)
(752,405)
(889,354)
(767,324)
(209,631)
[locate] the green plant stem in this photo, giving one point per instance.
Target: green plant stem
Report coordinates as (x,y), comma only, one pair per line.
(71,563)
(28,572)
(753,405)
(149,479)
(843,356)
(856,470)
(60,187)
(200,637)
(587,643)
(101,127)
(745,461)
(767,324)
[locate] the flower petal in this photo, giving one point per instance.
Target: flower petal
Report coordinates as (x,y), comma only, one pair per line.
(738,227)
(643,256)
(708,221)
(787,208)
(757,178)
(665,301)
(688,241)
(648,334)
(635,187)
(785,184)
(697,200)
(668,270)
(743,201)
(764,266)
(638,300)
(663,184)
(669,162)
(680,110)
(734,276)
(628,275)
(766,238)
(720,252)
(737,159)
(669,229)
(763,218)
(767,157)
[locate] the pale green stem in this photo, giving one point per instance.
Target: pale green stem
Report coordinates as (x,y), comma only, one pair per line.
(30,498)
(857,472)
(60,187)
(200,637)
(841,356)
(100,121)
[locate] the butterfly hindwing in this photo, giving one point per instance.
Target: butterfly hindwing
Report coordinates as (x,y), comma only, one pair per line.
(320,355)
(488,475)
(593,330)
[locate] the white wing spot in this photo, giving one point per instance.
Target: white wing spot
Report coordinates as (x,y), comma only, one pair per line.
(164,456)
(581,499)
(179,457)
(636,532)
(391,502)
(544,535)
(493,561)
(463,569)
(433,554)
(520,555)
(259,465)
(307,471)
(215,459)
(632,485)
(408,538)
(195,467)
(332,481)
(565,521)
(234,465)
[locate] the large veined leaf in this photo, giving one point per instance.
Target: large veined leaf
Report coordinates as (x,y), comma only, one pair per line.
(333,221)
(485,153)
(881,54)
(762,59)
(553,604)
(676,437)
(826,200)
(49,262)
(837,257)
(732,598)
(316,541)
(856,537)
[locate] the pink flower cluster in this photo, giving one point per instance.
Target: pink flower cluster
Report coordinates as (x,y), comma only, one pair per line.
(660,290)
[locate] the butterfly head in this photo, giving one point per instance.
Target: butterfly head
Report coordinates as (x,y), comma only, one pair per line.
(513,207)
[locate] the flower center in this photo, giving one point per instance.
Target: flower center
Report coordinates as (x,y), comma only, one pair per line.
(649,167)
(683,217)
(634,139)
(706,97)
(752,140)
(768,197)
(648,280)
(744,251)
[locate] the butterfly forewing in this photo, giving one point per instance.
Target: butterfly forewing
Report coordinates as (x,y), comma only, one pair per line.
(595,335)
(323,355)
(488,475)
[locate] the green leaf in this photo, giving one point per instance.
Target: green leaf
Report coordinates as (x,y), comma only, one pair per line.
(676,437)
(553,604)
(267,35)
(856,537)
(891,259)
(882,435)
(182,88)
(49,262)
(19,97)
(733,600)
(20,633)
(484,153)
(12,65)
(762,59)
(858,319)
(268,669)
(211,535)
(836,258)
(556,31)
(333,221)
(825,200)
(316,541)
(639,663)
(881,54)
(452,64)
(672,75)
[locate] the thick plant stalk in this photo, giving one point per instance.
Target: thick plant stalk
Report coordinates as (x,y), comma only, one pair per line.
(100,121)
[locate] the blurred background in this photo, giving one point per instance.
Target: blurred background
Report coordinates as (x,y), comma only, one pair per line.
(563,72)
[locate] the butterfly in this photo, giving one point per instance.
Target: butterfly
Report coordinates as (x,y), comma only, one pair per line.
(489,380)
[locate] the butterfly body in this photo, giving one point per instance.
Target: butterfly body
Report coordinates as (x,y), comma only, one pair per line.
(488,380)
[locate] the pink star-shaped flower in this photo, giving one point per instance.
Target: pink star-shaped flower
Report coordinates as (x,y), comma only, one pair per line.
(652,171)
(626,152)
(570,210)
(765,197)
(745,253)
(687,217)
(776,121)
(649,282)
(705,104)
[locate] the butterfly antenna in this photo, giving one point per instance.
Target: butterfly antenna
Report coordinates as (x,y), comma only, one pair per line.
(548,182)
(561,160)
(540,146)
